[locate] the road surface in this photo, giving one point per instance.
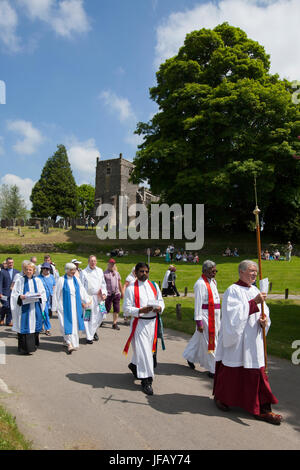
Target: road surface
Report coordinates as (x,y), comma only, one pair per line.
(89,400)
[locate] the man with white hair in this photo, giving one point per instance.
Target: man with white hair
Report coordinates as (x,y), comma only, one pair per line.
(240,378)
(71,299)
(95,285)
(201,348)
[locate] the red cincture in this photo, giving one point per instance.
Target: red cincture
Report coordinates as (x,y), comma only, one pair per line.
(211,317)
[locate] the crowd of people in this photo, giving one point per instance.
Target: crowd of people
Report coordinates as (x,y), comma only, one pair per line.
(171,255)
(228,340)
(276,255)
(229,252)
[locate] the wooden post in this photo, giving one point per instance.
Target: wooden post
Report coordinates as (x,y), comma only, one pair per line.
(178,312)
(286,294)
(185,291)
(271,285)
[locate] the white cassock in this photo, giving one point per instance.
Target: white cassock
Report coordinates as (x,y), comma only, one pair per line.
(241,336)
(16,309)
(142,341)
(74,337)
(94,281)
(196,350)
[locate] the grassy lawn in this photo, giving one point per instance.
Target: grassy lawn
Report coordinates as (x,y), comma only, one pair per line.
(10,436)
(282,274)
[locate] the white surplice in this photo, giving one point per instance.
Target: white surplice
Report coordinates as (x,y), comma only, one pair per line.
(74,337)
(94,281)
(241,336)
(196,350)
(16,309)
(142,341)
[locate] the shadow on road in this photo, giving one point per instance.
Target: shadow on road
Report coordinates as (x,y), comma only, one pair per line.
(171,403)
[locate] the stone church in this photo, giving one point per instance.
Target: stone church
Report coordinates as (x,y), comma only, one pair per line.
(112,181)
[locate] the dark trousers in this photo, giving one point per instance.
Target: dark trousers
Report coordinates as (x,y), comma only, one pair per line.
(6,312)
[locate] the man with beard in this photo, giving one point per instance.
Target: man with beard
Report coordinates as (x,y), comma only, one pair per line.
(144,303)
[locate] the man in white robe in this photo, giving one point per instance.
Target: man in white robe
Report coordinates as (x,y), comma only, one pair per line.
(196,350)
(71,340)
(240,378)
(95,285)
(143,324)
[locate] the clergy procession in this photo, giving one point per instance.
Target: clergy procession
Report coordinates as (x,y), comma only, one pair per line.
(229,338)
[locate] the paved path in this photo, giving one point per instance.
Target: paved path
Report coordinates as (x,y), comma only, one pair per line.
(89,400)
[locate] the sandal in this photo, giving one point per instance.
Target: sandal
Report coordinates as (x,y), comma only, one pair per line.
(221,405)
(270,417)
(47,333)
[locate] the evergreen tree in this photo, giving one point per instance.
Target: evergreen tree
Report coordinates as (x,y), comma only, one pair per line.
(12,206)
(55,194)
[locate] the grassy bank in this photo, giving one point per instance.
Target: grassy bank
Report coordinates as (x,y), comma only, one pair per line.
(10,436)
(282,274)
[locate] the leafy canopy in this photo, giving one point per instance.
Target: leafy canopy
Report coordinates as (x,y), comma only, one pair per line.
(223,118)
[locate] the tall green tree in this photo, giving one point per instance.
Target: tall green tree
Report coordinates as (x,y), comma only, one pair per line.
(12,205)
(86,199)
(55,194)
(222,119)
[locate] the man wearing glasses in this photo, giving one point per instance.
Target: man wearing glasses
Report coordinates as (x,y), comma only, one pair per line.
(202,346)
(144,303)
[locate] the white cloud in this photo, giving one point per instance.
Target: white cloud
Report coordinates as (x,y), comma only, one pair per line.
(120,106)
(83,156)
(32,137)
(25,186)
(133,139)
(273,23)
(65,17)
(8,27)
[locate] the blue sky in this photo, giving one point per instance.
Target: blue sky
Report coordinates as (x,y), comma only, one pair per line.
(78,72)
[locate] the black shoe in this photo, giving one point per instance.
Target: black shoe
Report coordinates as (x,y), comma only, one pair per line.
(132,367)
(191,364)
(210,375)
(96,337)
(89,341)
(115,326)
(147,387)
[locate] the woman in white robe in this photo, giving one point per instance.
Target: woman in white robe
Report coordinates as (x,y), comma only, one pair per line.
(28,316)
(68,287)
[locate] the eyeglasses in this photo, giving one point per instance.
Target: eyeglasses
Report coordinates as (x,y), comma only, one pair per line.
(143,271)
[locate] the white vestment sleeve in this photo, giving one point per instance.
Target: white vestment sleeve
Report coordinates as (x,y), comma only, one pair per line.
(198,301)
(129,303)
(103,286)
(235,314)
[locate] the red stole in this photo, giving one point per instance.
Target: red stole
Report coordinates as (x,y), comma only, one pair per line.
(211,317)
(136,319)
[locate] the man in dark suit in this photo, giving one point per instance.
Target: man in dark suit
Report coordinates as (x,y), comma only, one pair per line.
(6,278)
